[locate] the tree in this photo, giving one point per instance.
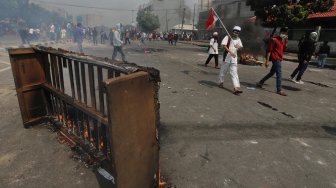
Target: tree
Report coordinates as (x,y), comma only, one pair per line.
(287,12)
(147,21)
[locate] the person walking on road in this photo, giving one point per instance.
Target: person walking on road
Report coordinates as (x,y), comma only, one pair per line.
(275,50)
(127,37)
(213,50)
(306,50)
(323,53)
(95,36)
(79,35)
(117,42)
(230,60)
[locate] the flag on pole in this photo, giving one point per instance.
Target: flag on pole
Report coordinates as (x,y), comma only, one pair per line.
(211,22)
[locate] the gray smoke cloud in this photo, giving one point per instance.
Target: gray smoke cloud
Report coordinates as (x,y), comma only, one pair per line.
(106,17)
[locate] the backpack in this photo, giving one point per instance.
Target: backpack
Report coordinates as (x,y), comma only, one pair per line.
(225,52)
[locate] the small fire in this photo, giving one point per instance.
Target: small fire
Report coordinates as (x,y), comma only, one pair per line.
(61,117)
(86,133)
(101,145)
(69,123)
(91,140)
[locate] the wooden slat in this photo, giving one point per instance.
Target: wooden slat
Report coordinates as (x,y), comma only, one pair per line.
(71,78)
(46,65)
(101,92)
(78,84)
(52,70)
(88,110)
(84,82)
(60,72)
(96,136)
(92,86)
(110,73)
(55,71)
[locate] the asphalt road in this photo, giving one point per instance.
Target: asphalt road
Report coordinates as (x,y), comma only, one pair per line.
(209,137)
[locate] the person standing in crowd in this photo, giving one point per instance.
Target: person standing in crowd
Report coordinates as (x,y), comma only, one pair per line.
(95,36)
(213,50)
(323,53)
(117,42)
(111,36)
(63,35)
(102,36)
(175,38)
(275,50)
(52,32)
(306,50)
(79,35)
(127,37)
(231,47)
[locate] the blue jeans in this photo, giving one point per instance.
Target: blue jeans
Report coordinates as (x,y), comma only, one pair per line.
(321,60)
(276,69)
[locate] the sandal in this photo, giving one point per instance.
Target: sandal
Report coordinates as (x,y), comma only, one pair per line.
(220,85)
(236,92)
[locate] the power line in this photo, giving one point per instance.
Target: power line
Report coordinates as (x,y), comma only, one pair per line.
(101,8)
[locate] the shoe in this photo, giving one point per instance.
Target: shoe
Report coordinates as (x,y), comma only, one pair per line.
(216,67)
(298,82)
(291,78)
(259,85)
(205,65)
(281,93)
(220,85)
(236,92)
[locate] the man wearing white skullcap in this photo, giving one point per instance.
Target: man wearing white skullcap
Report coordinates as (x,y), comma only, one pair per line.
(230,60)
(213,50)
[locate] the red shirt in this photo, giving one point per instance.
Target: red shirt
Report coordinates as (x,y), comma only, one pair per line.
(276,46)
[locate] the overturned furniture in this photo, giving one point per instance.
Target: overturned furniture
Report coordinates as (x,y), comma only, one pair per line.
(110,109)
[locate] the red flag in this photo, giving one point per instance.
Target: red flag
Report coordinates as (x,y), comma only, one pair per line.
(210,24)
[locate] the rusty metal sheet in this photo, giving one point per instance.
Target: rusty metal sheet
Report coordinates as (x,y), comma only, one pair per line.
(28,73)
(132,118)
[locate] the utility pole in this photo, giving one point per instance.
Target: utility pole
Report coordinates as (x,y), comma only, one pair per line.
(194,17)
(132,16)
(167,20)
(183,18)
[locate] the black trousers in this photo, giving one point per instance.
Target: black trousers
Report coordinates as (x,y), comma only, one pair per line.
(299,71)
(210,57)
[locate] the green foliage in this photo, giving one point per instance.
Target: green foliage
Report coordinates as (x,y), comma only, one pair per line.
(287,12)
(147,21)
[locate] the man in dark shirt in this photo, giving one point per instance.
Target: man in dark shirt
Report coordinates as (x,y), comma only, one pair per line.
(323,53)
(306,50)
(275,50)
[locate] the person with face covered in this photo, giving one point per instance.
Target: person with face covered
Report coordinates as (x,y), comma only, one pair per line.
(230,62)
(213,50)
(275,50)
(306,50)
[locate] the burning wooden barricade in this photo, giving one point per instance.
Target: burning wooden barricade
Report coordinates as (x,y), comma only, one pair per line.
(110,110)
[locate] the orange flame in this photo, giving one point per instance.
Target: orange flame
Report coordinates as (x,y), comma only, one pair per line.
(61,117)
(101,145)
(86,133)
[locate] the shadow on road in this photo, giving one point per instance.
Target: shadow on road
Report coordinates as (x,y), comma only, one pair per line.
(212,84)
(330,130)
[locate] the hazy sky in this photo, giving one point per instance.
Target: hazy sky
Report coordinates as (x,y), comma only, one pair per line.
(109,17)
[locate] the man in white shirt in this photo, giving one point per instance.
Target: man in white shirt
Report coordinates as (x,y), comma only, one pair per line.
(213,50)
(230,60)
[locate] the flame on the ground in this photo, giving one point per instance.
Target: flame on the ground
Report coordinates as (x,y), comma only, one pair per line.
(101,145)
(86,133)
